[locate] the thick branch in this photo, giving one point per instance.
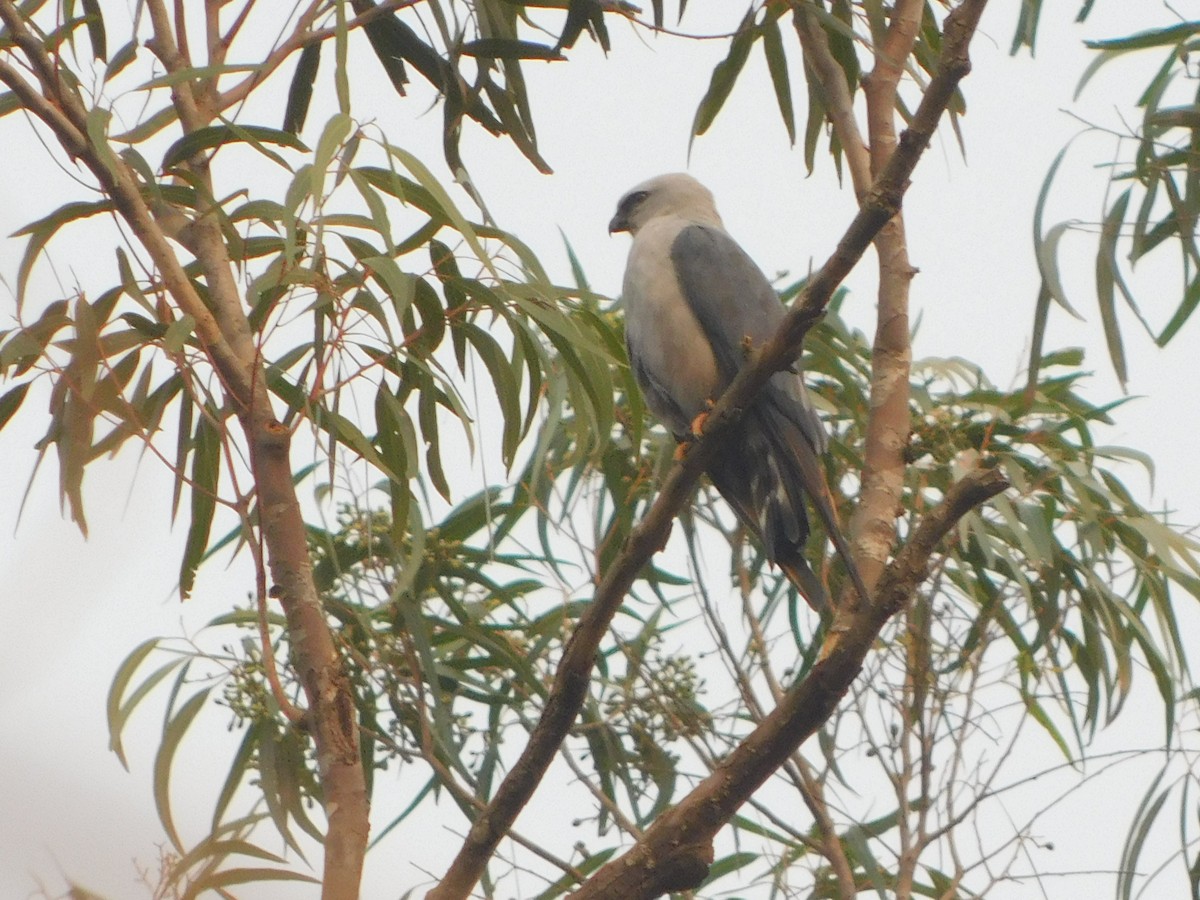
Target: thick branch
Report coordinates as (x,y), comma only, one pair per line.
(570,687)
(676,850)
(163,46)
(873,527)
(224,331)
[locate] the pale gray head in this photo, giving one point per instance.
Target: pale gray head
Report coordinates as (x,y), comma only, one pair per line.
(677,194)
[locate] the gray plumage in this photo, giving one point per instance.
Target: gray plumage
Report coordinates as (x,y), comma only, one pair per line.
(693,300)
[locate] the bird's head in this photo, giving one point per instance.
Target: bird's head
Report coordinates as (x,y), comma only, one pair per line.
(676,194)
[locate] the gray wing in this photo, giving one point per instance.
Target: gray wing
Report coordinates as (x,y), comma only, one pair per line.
(783,438)
(660,400)
(734,301)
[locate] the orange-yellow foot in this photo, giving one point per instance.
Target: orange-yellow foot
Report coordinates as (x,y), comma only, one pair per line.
(701,418)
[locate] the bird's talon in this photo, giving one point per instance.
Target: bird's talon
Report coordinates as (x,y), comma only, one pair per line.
(701,418)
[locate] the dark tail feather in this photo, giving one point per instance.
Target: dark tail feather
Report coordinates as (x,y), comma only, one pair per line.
(822,501)
(768,495)
(806,581)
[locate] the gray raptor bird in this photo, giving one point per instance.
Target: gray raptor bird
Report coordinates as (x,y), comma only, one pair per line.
(693,299)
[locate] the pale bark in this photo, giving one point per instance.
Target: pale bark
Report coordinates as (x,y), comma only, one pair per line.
(224,331)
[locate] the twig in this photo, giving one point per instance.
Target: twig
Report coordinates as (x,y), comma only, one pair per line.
(300,37)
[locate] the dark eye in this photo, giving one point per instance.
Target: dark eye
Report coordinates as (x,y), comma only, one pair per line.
(633,201)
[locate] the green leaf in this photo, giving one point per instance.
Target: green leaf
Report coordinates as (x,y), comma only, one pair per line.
(333,135)
(1046,249)
(11,401)
(95,28)
(1191,299)
(97,131)
(1027,23)
(1039,715)
(504,382)
(728,864)
(593,862)
(1106,268)
(8,103)
(213,137)
(300,91)
(121,60)
(777,67)
(178,333)
(444,205)
(45,228)
(400,286)
(118,711)
(206,474)
(814,125)
(1156,37)
(505,48)
(194,74)
(240,764)
(393,42)
(174,730)
(1147,813)
(397,439)
(214,850)
(228,877)
(726,73)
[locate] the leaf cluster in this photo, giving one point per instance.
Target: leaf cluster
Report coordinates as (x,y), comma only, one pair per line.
(851,30)
(1050,602)
(1152,200)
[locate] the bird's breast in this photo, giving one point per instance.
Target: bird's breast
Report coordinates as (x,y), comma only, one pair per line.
(667,344)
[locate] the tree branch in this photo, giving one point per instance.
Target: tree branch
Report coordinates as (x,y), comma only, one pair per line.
(571,681)
(835,93)
(300,37)
(676,850)
(873,526)
(224,332)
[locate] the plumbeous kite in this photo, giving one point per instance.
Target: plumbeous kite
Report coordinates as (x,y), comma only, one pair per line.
(694,302)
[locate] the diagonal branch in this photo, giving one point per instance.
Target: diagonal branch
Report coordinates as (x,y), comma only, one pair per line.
(676,850)
(571,681)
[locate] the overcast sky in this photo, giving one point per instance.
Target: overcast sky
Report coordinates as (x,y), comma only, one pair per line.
(71,609)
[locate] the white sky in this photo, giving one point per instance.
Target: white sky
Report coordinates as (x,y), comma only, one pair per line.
(70,610)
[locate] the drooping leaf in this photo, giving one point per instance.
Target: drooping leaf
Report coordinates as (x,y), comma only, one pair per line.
(726,73)
(95,28)
(175,728)
(777,66)
(1106,278)
(204,485)
(300,91)
(213,137)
